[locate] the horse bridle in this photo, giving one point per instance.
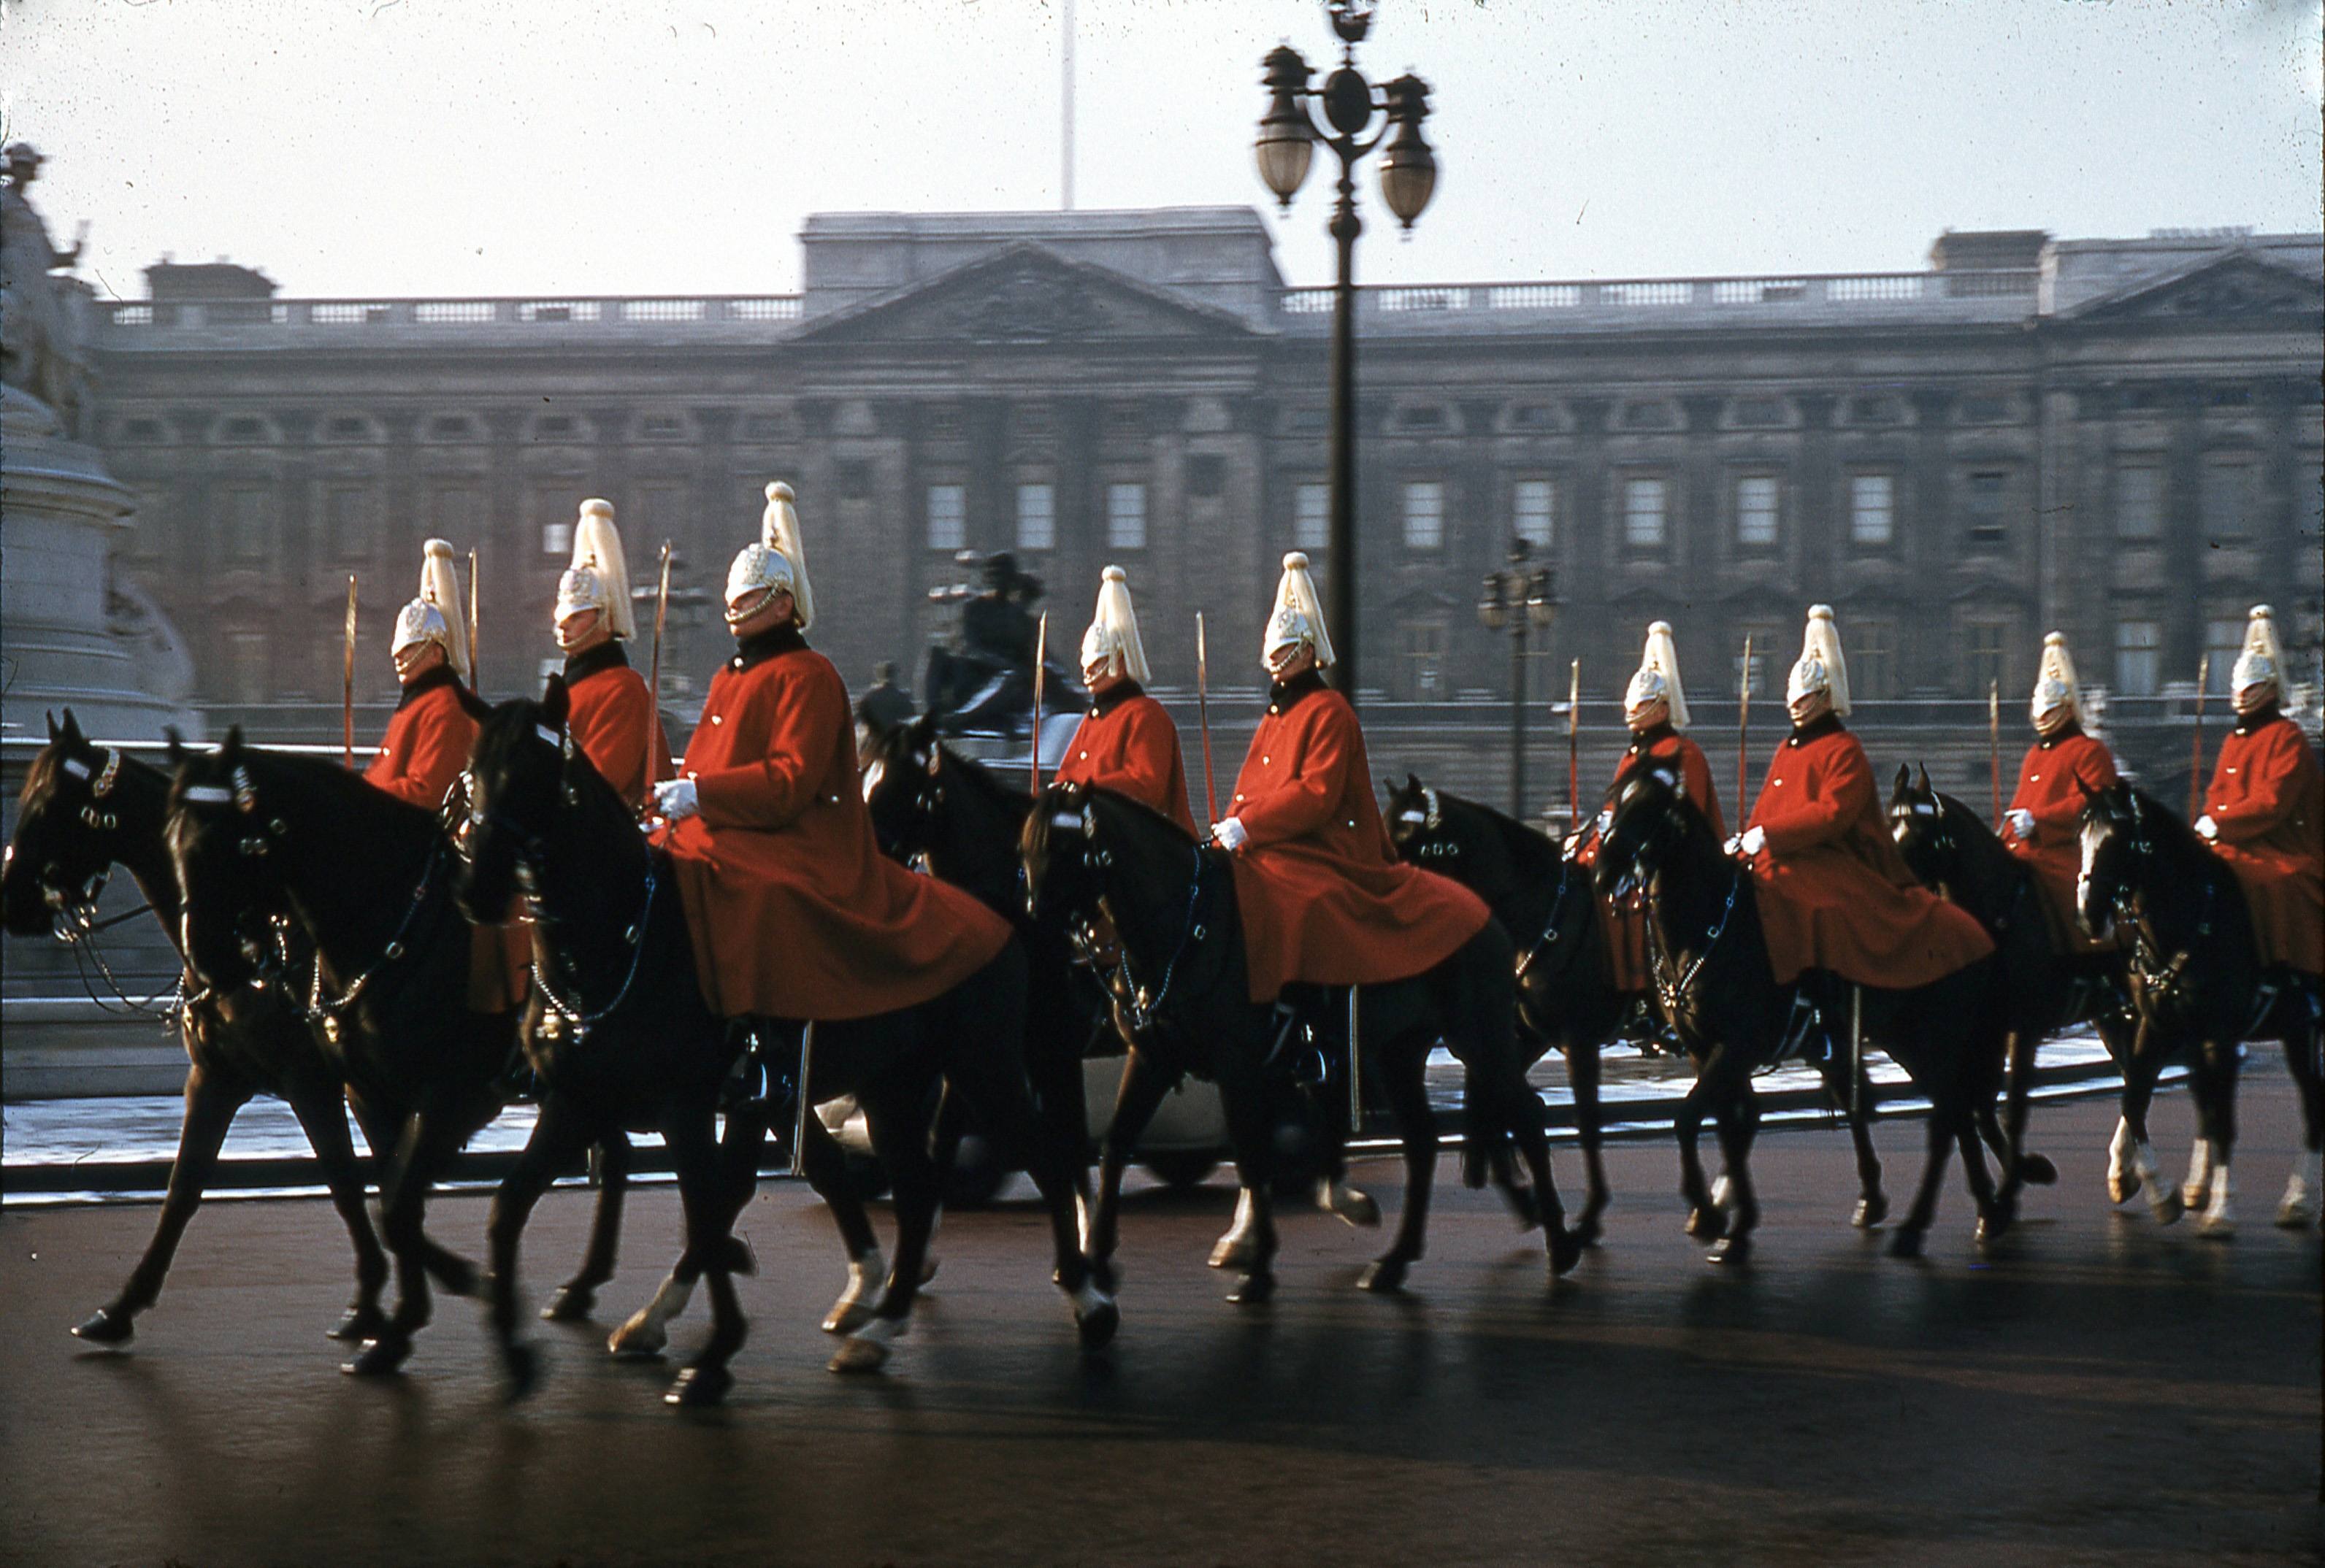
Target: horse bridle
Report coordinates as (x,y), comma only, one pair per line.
(1143,1007)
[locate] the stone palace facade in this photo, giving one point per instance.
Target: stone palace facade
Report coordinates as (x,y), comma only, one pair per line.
(2120,438)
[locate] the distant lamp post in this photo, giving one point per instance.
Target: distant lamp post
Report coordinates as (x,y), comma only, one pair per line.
(1520,598)
(1288,134)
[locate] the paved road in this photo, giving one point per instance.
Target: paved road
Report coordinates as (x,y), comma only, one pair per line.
(2102,1391)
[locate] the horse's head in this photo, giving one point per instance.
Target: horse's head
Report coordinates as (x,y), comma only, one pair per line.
(1416,823)
(1646,816)
(225,844)
(68,833)
(1919,822)
(1060,850)
(903,785)
(2117,844)
(517,771)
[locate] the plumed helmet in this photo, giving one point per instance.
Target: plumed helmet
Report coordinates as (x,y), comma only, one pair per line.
(778,560)
(2262,662)
(1113,633)
(1299,615)
(1821,666)
(2055,686)
(599,577)
(435,615)
(1658,676)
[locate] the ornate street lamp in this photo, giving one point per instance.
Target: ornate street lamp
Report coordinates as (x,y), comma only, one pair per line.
(1520,598)
(1288,134)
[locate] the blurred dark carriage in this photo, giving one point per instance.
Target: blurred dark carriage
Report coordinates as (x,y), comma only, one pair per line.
(982,685)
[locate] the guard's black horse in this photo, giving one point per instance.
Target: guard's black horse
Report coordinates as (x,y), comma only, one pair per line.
(624,965)
(1566,998)
(1172,907)
(2199,989)
(2048,984)
(263,844)
(930,803)
(86,808)
(1718,992)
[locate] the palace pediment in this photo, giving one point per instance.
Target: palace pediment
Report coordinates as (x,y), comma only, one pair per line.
(1025,295)
(2238,284)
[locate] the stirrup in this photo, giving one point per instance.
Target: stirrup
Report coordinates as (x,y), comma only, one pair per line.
(1805,1019)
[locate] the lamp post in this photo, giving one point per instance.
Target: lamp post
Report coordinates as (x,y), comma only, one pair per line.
(1520,598)
(1288,134)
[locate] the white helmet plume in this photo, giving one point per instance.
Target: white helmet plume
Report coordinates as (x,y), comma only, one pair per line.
(599,577)
(778,560)
(1113,633)
(1658,676)
(1299,614)
(435,615)
(1821,666)
(2262,662)
(2055,686)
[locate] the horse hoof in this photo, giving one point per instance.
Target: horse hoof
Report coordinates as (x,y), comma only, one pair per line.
(2216,1228)
(2293,1215)
(1565,1251)
(1097,1325)
(2166,1206)
(1707,1224)
(847,1317)
(522,1362)
(860,1355)
(928,1268)
(1870,1211)
(1731,1250)
(379,1358)
(698,1388)
(2036,1171)
(1234,1252)
(1905,1244)
(2122,1186)
(1991,1229)
(2193,1195)
(1382,1276)
(1524,1207)
(1251,1289)
(1587,1230)
(105,1327)
(641,1339)
(569,1304)
(360,1323)
(1106,1274)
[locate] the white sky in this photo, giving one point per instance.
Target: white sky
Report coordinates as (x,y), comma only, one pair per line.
(514,146)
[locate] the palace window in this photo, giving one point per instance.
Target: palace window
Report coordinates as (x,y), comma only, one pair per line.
(1037,517)
(2138,657)
(2224,640)
(347,519)
(1983,491)
(1872,510)
(1643,513)
(1424,514)
(948,517)
(2138,501)
(2229,495)
(1872,659)
(248,519)
(1533,512)
(1421,644)
(1985,656)
(1756,510)
(1311,516)
(1125,517)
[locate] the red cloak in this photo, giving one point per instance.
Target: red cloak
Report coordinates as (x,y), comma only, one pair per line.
(614,722)
(2267,800)
(2051,784)
(1127,743)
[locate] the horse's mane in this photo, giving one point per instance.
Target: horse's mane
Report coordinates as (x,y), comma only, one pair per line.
(1985,843)
(1138,811)
(1529,850)
(339,788)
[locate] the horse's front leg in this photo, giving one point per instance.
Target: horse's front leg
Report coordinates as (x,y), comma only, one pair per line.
(559,1135)
(2305,1188)
(427,1142)
(1737,1109)
(898,1116)
(707,1192)
(572,1302)
(1242,1097)
(2216,1061)
(212,1102)
(1583,1070)
(1142,1091)
(322,1112)
(1705,1222)
(1907,1241)
(2130,1157)
(1404,1065)
(825,1164)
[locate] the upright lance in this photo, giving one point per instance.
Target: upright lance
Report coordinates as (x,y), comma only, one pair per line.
(347,683)
(1203,716)
(1040,664)
(1573,747)
(1994,745)
(1744,731)
(2196,746)
(474,664)
(654,678)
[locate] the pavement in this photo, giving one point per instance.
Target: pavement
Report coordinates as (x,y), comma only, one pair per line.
(2099,1390)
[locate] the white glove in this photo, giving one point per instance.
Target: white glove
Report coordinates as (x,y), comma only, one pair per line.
(2207,829)
(674,799)
(2022,823)
(1606,819)
(1230,834)
(1748,843)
